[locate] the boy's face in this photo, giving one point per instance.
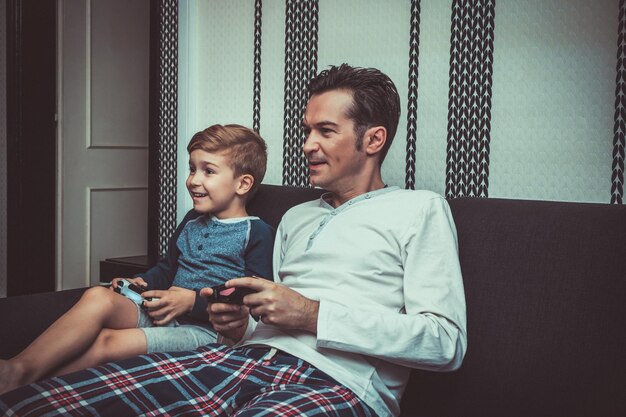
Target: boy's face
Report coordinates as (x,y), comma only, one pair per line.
(213,186)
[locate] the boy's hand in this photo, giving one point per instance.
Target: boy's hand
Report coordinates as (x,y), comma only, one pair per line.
(137,281)
(171,303)
(229,320)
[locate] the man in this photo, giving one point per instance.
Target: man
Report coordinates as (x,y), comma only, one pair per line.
(367,285)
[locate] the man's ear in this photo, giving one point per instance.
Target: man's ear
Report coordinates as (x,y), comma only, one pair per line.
(245,183)
(375,138)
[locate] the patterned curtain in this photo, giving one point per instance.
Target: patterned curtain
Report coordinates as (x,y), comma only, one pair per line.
(411,125)
(619,128)
(163,125)
(300,66)
(469,104)
(256,101)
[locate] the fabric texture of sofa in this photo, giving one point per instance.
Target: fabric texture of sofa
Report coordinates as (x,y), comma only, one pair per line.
(545,285)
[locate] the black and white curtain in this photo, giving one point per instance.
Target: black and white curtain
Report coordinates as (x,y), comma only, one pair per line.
(469,104)
(301,20)
(163,125)
(619,128)
(411,124)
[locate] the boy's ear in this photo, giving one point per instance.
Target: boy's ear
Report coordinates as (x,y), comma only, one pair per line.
(375,138)
(245,183)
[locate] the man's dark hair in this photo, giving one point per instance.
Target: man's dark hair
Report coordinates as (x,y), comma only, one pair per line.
(375,99)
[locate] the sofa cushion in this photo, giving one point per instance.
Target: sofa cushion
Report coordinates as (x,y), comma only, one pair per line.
(24,317)
(545,286)
(272,201)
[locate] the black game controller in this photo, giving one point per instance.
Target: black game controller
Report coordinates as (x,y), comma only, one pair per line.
(131,291)
(232,295)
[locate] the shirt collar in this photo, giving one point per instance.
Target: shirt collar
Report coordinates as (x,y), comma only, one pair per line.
(366,196)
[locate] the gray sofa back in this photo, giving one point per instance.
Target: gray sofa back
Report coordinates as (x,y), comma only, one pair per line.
(545,286)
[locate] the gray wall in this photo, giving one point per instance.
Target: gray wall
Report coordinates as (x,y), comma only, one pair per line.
(553,88)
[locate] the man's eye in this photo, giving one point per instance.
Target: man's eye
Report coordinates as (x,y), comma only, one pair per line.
(326,132)
(306,131)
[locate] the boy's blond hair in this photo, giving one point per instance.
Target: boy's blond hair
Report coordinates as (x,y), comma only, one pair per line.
(246,150)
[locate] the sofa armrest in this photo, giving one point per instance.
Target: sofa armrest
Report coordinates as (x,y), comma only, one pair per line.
(23,318)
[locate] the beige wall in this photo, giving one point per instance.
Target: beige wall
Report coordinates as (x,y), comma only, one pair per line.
(552,98)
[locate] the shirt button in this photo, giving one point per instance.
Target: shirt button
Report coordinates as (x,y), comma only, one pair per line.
(200,247)
(334,213)
(206,235)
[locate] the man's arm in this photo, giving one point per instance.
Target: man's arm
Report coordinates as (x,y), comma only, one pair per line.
(430,332)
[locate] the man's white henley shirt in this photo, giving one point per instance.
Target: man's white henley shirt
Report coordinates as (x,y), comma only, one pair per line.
(385,269)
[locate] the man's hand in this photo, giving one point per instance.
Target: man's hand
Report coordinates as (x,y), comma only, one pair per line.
(172,303)
(229,320)
(278,304)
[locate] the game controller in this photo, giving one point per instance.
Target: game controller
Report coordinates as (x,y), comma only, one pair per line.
(131,291)
(232,295)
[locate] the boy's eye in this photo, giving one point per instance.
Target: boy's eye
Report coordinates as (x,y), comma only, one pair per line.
(192,169)
(209,171)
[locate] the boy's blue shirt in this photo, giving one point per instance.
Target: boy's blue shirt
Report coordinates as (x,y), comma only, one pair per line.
(204,252)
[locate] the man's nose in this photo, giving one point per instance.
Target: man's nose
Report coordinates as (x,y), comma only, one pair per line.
(310,144)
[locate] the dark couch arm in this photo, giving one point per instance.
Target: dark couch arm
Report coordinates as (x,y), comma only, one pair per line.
(23,318)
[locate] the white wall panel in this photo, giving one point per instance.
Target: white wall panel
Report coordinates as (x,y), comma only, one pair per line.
(115,159)
(114,233)
(120,58)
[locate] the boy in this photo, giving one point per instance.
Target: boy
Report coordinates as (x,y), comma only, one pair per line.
(216,241)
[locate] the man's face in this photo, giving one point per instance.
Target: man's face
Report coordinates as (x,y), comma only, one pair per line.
(330,145)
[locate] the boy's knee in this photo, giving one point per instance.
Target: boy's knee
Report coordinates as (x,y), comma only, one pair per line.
(98,297)
(103,345)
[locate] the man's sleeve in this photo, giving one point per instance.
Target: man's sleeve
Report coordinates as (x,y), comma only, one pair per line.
(431,331)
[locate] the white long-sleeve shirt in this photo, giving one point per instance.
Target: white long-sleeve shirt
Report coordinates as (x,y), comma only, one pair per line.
(384,267)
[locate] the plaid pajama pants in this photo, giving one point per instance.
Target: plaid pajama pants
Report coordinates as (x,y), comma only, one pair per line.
(211,381)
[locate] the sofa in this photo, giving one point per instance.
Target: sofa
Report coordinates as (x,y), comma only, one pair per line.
(545,286)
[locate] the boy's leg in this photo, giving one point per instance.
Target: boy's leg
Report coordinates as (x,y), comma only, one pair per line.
(110,345)
(215,380)
(154,384)
(69,336)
